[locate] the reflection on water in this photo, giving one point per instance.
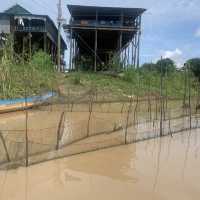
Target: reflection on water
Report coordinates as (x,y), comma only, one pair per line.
(147,170)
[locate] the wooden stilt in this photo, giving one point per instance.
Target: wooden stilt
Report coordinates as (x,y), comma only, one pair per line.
(70,56)
(95,50)
(138,46)
(125,58)
(132,53)
(128,55)
(45,42)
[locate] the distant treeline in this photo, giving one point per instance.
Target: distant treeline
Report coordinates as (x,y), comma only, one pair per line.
(167,65)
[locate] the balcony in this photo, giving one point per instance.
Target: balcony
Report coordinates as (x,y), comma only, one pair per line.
(30,29)
(103,23)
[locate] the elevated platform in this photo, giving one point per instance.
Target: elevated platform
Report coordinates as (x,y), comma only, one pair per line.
(100,33)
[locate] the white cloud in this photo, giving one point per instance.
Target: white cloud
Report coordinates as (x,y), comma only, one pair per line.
(172,54)
(175,55)
(197,33)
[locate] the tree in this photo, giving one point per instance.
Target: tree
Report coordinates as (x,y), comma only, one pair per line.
(165,65)
(194,65)
(149,67)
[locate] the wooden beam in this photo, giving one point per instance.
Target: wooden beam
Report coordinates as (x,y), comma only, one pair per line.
(45,42)
(128,55)
(95,50)
(132,53)
(125,58)
(138,46)
(70,49)
(104,28)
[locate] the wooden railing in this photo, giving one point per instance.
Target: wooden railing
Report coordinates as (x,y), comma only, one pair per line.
(102,23)
(30,29)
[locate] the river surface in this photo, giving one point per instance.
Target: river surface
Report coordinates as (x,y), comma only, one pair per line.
(158,169)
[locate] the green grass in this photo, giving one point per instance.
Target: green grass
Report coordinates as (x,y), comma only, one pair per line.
(26,78)
(36,75)
(128,83)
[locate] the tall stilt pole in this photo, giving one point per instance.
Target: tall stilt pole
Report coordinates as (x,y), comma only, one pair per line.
(128,55)
(29,41)
(45,42)
(135,50)
(120,45)
(75,53)
(95,49)
(125,59)
(70,56)
(30,45)
(138,46)
(132,53)
(59,38)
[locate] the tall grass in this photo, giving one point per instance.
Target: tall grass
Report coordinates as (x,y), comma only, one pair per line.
(127,82)
(18,75)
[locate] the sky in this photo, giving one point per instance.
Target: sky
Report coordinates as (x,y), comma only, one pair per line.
(169,28)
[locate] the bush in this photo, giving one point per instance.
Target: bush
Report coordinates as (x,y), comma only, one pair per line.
(77,79)
(16,76)
(42,62)
(130,75)
(194,65)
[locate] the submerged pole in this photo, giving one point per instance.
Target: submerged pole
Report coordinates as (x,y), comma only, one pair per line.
(26,125)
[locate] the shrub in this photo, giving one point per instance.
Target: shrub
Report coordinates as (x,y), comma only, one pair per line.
(42,61)
(77,79)
(130,75)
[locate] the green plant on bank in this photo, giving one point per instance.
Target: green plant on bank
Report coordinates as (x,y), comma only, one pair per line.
(114,65)
(19,77)
(132,81)
(84,63)
(77,78)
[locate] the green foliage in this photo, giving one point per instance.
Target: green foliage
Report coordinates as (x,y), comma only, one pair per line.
(42,62)
(114,64)
(131,82)
(130,76)
(165,65)
(149,67)
(194,65)
(77,78)
(18,76)
(85,63)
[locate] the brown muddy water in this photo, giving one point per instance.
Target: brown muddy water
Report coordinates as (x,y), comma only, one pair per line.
(158,169)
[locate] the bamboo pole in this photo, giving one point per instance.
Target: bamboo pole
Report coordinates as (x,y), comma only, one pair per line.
(60,127)
(189,98)
(5,147)
(26,125)
(95,50)
(161,99)
(127,118)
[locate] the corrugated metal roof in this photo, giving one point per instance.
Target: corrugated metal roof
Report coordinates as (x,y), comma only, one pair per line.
(17,9)
(91,10)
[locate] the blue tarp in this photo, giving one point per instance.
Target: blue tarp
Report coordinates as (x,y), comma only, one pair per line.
(33,99)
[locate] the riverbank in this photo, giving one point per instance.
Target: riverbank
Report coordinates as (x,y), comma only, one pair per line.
(145,84)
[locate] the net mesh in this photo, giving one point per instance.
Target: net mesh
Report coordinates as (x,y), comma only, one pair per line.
(74,123)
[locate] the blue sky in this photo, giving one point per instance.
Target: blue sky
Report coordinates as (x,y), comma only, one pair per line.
(170,28)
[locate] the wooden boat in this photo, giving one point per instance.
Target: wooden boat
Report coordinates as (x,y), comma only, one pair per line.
(11,105)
